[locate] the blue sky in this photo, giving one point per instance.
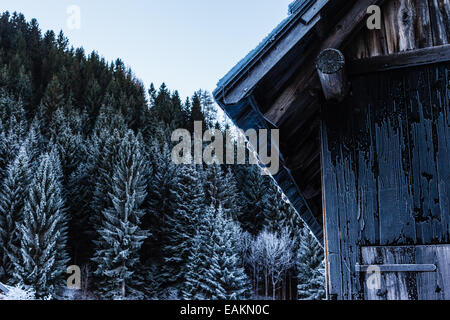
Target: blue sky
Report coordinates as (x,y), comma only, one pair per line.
(189,44)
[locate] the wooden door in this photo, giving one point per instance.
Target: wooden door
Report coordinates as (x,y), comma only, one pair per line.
(406,272)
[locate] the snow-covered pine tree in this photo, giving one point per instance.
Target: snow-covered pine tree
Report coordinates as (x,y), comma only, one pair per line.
(209,108)
(179,229)
(275,210)
(120,234)
(12,196)
(159,201)
(279,215)
(253,186)
(90,183)
(215,270)
(43,260)
(13,112)
(70,146)
(33,143)
(92,179)
(108,120)
(310,266)
(226,276)
(196,267)
(9,146)
(221,191)
(4,155)
(81,233)
(107,154)
(71,153)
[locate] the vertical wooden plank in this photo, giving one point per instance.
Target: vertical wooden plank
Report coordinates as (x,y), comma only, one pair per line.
(423,164)
(330,194)
(424,36)
(391,23)
(359,46)
(406,16)
(324,217)
(440,97)
(394,186)
(374,44)
(376,40)
(394,189)
(365,158)
(383,38)
(341,200)
(439,14)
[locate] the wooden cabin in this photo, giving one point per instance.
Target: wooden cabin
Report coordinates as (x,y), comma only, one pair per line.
(364,124)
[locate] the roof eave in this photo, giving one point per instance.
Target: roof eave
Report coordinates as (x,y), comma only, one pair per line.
(298,23)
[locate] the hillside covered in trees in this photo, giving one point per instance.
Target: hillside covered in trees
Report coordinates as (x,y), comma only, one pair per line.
(87,179)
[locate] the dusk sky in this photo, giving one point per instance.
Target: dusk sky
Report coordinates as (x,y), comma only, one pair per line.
(187,44)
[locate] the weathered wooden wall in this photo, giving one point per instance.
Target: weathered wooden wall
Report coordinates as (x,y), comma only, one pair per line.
(386,172)
(406,25)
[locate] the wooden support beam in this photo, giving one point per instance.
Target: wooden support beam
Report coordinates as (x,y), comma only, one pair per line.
(332,74)
(350,24)
(400,60)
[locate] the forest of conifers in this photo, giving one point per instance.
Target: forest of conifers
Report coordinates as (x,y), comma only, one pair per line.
(87,180)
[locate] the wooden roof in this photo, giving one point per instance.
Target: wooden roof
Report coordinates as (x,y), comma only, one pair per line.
(276,86)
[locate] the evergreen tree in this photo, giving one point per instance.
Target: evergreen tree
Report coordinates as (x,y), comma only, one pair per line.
(94,98)
(221,191)
(91,182)
(152,94)
(215,269)
(12,112)
(208,108)
(166,107)
(107,153)
(11,210)
(107,121)
(253,186)
(196,111)
(9,145)
(179,230)
(4,154)
(159,202)
(69,144)
(120,233)
(43,259)
(33,143)
(196,266)
(310,265)
(279,214)
(53,98)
